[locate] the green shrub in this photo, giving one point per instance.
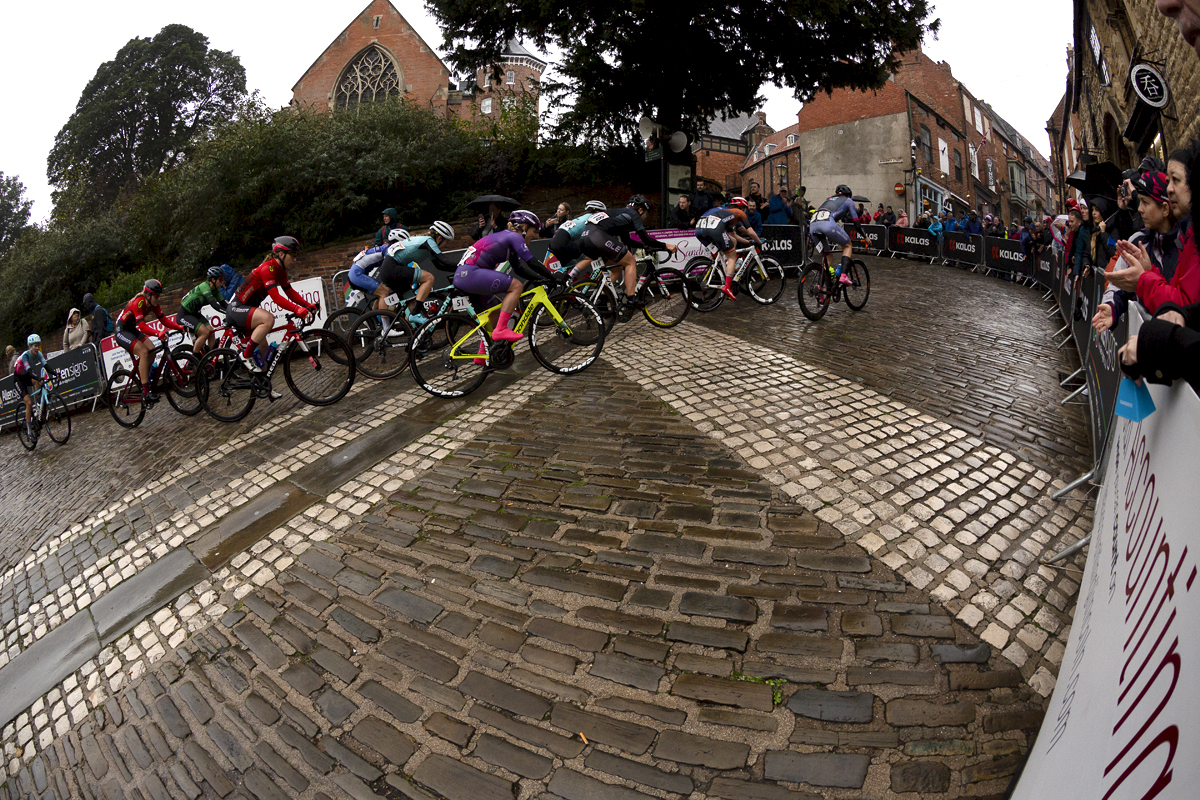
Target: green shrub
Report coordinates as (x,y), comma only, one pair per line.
(123,287)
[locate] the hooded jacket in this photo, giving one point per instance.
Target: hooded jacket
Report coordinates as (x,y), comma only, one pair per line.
(74,335)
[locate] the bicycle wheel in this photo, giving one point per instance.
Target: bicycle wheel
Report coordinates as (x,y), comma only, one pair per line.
(666,297)
(765,283)
(814,291)
(125,399)
(379,355)
(705,279)
(19,420)
(572,345)
(319,367)
(342,323)
(56,419)
(451,344)
(856,295)
(603,298)
(181,382)
(225,387)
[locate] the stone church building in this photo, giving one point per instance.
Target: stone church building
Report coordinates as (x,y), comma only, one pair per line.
(379,55)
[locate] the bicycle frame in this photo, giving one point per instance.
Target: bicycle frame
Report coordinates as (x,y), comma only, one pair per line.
(537,296)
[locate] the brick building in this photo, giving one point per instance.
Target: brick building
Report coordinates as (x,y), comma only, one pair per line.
(1132,78)
(965,155)
(721,151)
(379,55)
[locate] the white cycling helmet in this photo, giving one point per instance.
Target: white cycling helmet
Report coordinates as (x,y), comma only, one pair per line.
(442,229)
(595,205)
(397,235)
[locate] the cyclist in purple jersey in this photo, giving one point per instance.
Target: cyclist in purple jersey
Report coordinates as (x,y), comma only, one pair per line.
(476,273)
(825,222)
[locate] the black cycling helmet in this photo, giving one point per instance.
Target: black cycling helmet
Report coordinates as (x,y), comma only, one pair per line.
(153,286)
(215,274)
(639,201)
(843,190)
(285,244)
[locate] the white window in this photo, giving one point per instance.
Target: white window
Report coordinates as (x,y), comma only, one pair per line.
(510,77)
(974,160)
(791,139)
(768,148)
(978,121)
(944,155)
(486,105)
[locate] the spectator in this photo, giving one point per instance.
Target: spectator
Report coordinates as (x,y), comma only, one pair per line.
(76,333)
(494,220)
(10,354)
(950,223)
(1159,236)
(101,323)
(1101,248)
(391,219)
(863,214)
(877,217)
(1080,232)
(780,209)
(561,214)
(902,220)
(756,195)
(973,226)
(937,224)
(889,216)
(233,282)
(1183,288)
(1167,347)
(1058,233)
(754,218)
(704,199)
(923,221)
(682,216)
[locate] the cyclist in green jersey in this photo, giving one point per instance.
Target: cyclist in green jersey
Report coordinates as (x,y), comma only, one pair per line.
(190,315)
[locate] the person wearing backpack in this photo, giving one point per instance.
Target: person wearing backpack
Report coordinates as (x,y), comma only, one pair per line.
(101,322)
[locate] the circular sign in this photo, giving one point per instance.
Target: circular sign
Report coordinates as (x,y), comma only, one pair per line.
(1149,85)
(899,188)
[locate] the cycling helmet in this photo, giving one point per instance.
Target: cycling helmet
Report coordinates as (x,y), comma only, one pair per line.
(843,190)
(33,339)
(216,274)
(595,205)
(442,229)
(521,216)
(639,201)
(397,235)
(153,286)
(285,244)
(740,202)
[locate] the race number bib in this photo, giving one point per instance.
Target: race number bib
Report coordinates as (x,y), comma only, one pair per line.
(392,300)
(707,223)
(821,215)
(460,303)
(597,218)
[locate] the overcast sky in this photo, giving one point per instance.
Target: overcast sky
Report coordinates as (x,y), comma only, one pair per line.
(1015,59)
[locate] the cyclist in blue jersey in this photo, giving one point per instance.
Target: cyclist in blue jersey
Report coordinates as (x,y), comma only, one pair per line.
(718,228)
(396,270)
(25,367)
(564,245)
(477,273)
(825,221)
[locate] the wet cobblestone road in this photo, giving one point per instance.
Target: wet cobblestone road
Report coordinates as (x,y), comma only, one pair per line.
(583,586)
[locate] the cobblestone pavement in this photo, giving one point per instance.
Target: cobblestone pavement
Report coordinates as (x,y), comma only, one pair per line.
(587,567)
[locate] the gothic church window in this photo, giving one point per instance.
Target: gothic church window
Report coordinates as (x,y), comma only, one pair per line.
(369,78)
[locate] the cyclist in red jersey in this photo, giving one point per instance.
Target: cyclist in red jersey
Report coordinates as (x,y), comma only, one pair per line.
(131,329)
(269,278)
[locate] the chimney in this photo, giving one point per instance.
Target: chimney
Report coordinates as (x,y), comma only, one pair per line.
(762,117)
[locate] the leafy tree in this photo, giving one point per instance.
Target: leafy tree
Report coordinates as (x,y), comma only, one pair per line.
(141,114)
(683,63)
(14,210)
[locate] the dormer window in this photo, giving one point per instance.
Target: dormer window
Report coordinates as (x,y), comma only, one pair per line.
(791,139)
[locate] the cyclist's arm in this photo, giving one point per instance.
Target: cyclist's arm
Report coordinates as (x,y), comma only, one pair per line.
(288,298)
(215,300)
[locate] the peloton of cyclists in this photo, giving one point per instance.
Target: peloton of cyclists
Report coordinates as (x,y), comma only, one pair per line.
(608,236)
(825,222)
(722,228)
(397,270)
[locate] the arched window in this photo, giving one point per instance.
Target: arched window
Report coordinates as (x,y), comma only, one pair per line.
(510,77)
(791,139)
(370,77)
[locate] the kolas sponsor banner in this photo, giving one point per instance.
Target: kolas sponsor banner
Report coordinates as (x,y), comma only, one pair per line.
(1045,269)
(1124,720)
(964,247)
(917,241)
(1005,255)
(877,234)
(1099,352)
(784,243)
(312,290)
(74,374)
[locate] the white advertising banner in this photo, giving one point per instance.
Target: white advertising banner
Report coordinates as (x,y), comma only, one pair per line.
(1124,720)
(112,355)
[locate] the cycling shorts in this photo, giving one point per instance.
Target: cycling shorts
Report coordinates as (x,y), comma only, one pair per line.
(127,338)
(361,280)
(715,237)
(480,280)
(596,244)
(398,277)
(564,249)
(190,322)
(238,315)
(835,234)
(24,384)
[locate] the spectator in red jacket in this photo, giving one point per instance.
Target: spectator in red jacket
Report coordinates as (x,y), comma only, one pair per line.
(877,218)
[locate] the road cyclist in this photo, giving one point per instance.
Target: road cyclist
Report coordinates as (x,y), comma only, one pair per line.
(564,244)
(132,329)
(825,223)
(608,237)
(268,279)
(721,230)
(26,366)
(191,314)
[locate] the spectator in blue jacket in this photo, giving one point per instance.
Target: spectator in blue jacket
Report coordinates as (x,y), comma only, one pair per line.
(937,225)
(233,282)
(780,209)
(973,225)
(950,223)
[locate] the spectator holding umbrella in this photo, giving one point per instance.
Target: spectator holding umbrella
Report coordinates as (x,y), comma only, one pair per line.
(491,208)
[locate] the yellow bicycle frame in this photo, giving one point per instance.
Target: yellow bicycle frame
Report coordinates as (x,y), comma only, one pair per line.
(537,297)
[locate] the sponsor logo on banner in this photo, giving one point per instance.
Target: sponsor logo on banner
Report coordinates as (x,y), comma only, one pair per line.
(1001,254)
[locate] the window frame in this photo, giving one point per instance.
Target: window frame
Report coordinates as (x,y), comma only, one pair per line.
(926,144)
(485,105)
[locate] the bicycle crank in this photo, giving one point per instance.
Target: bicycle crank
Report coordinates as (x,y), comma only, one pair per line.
(502,356)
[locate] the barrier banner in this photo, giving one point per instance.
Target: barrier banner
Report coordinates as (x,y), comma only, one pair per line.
(1124,720)
(74,374)
(917,241)
(964,247)
(1005,255)
(784,243)
(878,234)
(1045,269)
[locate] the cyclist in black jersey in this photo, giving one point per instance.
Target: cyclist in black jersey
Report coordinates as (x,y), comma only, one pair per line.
(608,237)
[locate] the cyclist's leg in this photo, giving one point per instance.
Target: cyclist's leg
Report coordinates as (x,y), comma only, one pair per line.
(28,400)
(380,292)
(725,242)
(627,267)
(204,337)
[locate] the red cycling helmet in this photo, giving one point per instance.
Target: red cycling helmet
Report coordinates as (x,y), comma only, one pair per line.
(740,202)
(286,244)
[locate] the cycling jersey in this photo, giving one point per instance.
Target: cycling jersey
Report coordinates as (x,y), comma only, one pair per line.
(30,363)
(728,216)
(132,318)
(494,249)
(197,298)
(574,228)
(835,208)
(404,252)
(623,223)
(271,278)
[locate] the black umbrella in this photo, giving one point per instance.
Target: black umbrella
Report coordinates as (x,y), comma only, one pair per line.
(482,203)
(858,198)
(1101,178)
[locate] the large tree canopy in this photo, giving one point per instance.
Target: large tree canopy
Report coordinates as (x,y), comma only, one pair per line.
(683,63)
(14,210)
(141,113)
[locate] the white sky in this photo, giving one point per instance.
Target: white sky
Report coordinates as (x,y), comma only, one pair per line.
(1014,59)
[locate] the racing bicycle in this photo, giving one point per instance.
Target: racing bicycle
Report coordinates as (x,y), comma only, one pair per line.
(48,412)
(662,291)
(172,373)
(762,276)
(817,288)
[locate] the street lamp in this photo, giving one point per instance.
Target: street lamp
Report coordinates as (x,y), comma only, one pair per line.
(782,167)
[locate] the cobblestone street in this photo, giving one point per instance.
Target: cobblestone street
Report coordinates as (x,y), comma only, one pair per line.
(748,558)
